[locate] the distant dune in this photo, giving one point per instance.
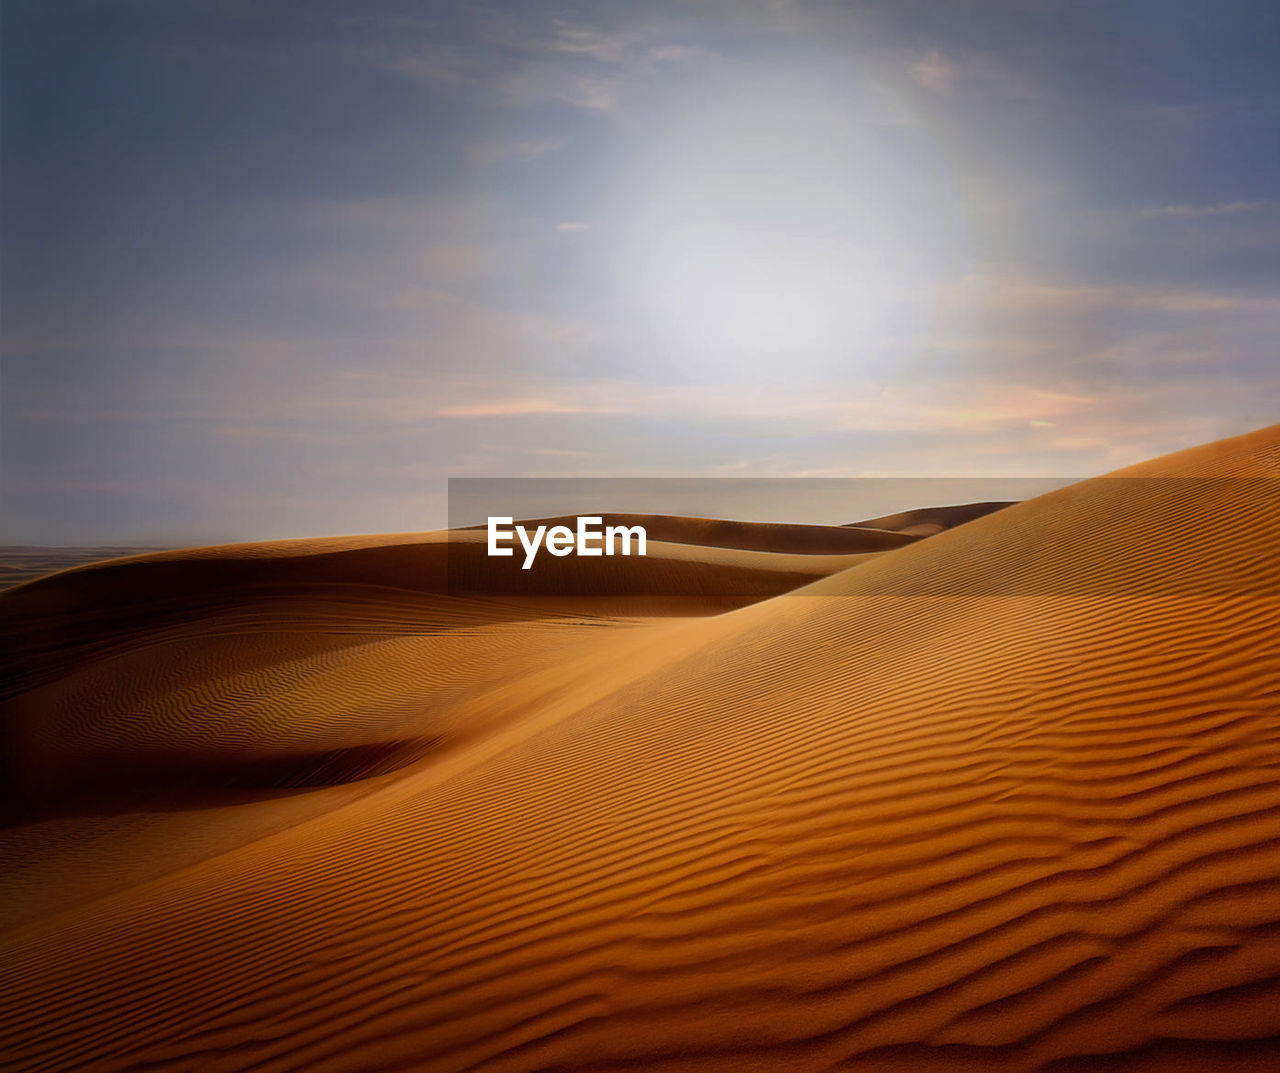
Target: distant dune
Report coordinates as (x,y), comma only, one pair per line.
(20,563)
(1004,796)
(750,536)
(925,521)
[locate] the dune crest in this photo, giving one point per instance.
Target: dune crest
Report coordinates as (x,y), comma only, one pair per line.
(1004,798)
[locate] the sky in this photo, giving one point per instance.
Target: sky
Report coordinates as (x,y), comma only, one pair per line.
(271,269)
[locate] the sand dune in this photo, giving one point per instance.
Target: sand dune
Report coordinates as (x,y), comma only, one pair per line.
(925,521)
(1005,798)
(751,536)
(20,563)
(172,669)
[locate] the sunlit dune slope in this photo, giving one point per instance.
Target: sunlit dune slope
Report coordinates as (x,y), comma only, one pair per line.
(1004,799)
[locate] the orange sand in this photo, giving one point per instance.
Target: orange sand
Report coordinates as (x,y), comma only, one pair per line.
(1003,798)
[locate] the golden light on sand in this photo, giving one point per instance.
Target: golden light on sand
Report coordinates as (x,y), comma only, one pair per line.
(294,806)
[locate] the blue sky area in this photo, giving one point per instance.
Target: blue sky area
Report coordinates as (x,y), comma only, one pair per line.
(273,269)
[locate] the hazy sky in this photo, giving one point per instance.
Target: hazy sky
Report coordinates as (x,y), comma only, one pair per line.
(281,268)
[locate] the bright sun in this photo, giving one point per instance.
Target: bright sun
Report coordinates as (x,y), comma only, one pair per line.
(783,218)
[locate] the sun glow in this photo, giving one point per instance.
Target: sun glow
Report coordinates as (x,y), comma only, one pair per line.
(786,217)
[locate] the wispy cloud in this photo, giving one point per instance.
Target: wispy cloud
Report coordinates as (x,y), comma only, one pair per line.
(520,407)
(1221,208)
(932,71)
(597,43)
(519,58)
(602,68)
(1030,295)
(518,151)
(556,452)
(420,58)
(946,71)
(954,407)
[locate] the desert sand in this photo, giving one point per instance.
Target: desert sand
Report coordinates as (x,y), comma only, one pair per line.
(22,563)
(929,796)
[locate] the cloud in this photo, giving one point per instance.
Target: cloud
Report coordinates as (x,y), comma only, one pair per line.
(1073,428)
(592,67)
(556,452)
(932,71)
(626,47)
(484,154)
(591,92)
(976,71)
(522,57)
(264,432)
(572,225)
(1221,208)
(686,54)
(945,407)
(1013,295)
(976,408)
(421,59)
(519,407)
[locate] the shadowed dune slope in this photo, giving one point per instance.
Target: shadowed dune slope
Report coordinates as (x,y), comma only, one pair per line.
(75,609)
(313,662)
(925,521)
(993,801)
(20,563)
